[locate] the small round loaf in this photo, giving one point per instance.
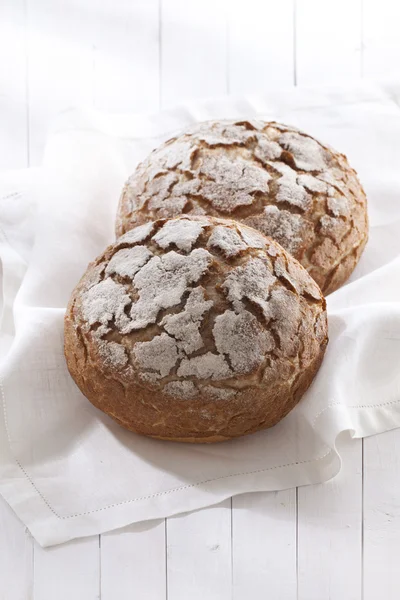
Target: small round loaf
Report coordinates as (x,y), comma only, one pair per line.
(272,177)
(195,329)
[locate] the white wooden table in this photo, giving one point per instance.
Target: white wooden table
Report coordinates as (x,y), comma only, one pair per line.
(337,541)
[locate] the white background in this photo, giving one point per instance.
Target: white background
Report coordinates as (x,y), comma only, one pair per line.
(336,541)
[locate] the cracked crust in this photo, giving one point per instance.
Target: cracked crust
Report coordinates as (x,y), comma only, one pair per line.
(195,329)
(272,177)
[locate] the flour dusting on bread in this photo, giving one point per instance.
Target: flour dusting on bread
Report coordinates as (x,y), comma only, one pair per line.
(264,174)
(184,328)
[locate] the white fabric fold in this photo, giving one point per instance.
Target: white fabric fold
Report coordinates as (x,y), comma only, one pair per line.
(70,471)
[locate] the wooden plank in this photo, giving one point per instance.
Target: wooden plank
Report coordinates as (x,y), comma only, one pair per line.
(381,22)
(71,570)
(199,559)
(126,55)
(193,50)
(264,546)
(133,562)
(329,532)
(328,41)
(382,516)
(60,66)
(16,556)
(261,53)
(13,101)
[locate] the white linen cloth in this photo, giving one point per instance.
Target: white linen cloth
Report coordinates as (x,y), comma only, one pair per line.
(66,468)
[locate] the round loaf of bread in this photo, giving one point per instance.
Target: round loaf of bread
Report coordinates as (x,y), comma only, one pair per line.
(195,329)
(272,177)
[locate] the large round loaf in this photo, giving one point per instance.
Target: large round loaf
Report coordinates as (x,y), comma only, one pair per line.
(272,177)
(195,329)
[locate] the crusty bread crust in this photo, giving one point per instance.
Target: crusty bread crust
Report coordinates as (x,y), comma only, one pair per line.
(269,176)
(230,353)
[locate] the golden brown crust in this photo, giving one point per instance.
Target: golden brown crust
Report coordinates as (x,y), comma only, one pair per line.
(269,176)
(195,330)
